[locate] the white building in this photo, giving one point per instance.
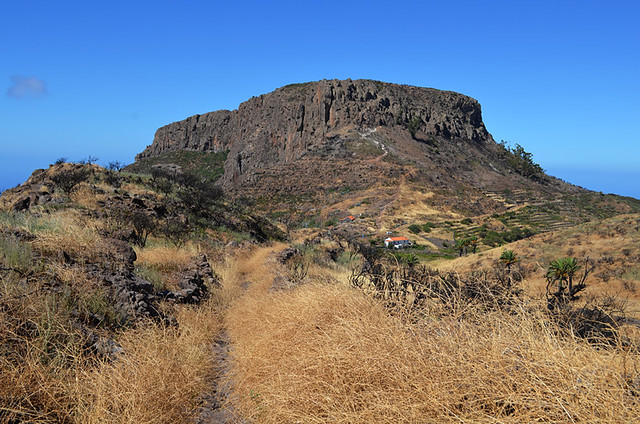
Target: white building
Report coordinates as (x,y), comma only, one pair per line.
(397,242)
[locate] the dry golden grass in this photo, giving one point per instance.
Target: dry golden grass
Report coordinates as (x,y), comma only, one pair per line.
(39,356)
(36,391)
(329,354)
(46,372)
(319,353)
(46,375)
(70,232)
(166,258)
(161,375)
(137,189)
(89,196)
(251,269)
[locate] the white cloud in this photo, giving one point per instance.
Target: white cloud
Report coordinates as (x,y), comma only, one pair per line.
(26,87)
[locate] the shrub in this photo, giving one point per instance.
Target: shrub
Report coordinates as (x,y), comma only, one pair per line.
(138,221)
(413,125)
(162,185)
(67,179)
(198,195)
(113,179)
(175,231)
(415,228)
(115,166)
(89,160)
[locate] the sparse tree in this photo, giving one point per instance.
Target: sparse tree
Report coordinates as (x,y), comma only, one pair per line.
(198,195)
(175,230)
(521,161)
(115,166)
(138,221)
(112,177)
(68,179)
(143,226)
(90,160)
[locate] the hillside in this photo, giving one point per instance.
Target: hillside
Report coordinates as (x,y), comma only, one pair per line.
(107,315)
(395,155)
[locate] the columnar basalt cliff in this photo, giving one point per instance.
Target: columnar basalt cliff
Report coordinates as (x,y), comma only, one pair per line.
(299,120)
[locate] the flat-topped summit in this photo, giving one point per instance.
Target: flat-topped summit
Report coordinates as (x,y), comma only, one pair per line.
(299,119)
(308,147)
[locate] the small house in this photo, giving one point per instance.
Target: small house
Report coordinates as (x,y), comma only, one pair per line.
(396,242)
(348,219)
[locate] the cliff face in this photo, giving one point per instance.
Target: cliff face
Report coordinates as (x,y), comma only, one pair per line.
(297,120)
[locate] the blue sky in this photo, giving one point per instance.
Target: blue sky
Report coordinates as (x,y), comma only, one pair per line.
(80,78)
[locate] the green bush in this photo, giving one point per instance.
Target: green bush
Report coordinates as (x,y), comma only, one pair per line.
(521,161)
(415,228)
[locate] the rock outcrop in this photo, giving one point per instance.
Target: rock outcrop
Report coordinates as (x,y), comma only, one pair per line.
(297,120)
(195,283)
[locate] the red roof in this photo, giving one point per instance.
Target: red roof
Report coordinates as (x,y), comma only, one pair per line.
(397,239)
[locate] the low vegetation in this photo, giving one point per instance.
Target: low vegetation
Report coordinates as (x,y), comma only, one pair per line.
(406,344)
(70,349)
(322,328)
(206,166)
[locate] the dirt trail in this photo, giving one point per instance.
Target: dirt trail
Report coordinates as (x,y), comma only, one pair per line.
(247,275)
(216,408)
(366,136)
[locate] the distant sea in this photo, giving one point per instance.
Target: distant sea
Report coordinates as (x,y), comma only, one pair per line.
(624,182)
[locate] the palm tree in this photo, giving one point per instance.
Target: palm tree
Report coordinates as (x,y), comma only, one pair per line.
(571,267)
(508,257)
(556,274)
(411,260)
(561,271)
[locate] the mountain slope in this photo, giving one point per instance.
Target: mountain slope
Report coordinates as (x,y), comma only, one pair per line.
(311,151)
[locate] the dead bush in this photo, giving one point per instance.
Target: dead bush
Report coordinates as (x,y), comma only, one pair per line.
(66,179)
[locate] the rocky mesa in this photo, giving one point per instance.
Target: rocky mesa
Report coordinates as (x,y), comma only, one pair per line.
(315,118)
